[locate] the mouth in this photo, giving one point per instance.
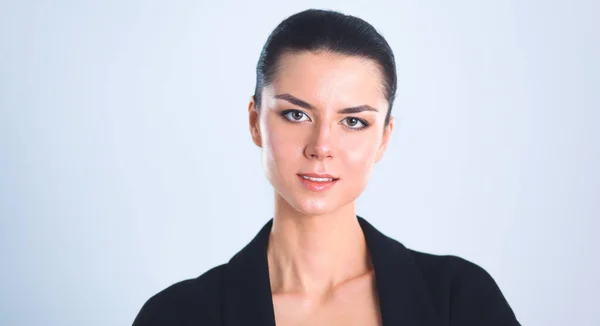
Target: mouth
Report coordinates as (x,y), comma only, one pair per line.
(317,179)
(317,183)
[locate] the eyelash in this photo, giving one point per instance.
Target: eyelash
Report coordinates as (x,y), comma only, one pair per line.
(285,114)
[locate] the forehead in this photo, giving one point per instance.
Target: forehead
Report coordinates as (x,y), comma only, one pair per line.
(328,79)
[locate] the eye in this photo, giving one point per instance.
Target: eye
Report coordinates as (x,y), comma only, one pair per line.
(295,115)
(355,123)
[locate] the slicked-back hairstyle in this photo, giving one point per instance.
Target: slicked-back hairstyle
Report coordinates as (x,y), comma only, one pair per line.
(316,30)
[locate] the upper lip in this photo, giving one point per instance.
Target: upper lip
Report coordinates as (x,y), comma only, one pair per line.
(318,175)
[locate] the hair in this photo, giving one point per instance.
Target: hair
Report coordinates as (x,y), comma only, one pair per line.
(317,30)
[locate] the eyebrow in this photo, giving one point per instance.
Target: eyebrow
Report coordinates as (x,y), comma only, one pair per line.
(296,101)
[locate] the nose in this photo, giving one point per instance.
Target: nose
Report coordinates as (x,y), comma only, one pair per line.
(320,145)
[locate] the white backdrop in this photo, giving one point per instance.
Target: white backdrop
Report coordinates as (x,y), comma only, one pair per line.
(126,163)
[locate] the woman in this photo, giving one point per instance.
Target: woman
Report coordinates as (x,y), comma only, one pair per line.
(321,116)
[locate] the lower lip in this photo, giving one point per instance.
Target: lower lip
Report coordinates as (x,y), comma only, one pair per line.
(317,186)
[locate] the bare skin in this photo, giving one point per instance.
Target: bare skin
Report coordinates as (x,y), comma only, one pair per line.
(319,266)
(322,276)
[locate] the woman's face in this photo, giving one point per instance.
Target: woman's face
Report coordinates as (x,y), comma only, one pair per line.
(322,116)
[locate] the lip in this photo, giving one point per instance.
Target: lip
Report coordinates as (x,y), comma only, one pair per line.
(316,186)
(318,175)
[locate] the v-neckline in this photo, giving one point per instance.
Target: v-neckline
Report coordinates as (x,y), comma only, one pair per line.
(401,292)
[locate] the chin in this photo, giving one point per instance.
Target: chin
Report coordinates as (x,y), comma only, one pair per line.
(309,203)
(314,207)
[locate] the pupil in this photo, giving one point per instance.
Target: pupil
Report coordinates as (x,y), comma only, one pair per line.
(297,115)
(352,121)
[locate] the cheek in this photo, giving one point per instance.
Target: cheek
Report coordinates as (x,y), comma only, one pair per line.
(280,144)
(360,153)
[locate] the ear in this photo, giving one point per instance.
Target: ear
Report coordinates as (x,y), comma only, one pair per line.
(253,119)
(387,132)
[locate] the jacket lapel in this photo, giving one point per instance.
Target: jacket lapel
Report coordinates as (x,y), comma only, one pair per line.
(246,287)
(403,296)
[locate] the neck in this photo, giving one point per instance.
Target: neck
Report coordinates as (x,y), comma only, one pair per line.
(313,254)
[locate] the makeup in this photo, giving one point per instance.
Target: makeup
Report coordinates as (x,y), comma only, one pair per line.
(317,182)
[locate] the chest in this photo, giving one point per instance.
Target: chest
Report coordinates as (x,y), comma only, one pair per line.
(355,304)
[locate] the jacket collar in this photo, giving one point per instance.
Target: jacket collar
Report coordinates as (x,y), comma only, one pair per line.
(403,295)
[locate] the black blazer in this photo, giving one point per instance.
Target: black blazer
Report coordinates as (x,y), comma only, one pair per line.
(414,289)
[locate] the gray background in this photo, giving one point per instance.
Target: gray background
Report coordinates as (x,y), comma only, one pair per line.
(126,163)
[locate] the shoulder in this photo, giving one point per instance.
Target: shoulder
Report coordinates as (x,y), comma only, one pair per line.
(447,267)
(193,301)
(463,290)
